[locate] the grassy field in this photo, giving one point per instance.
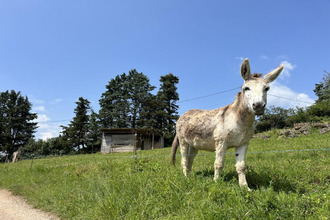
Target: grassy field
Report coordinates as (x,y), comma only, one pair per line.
(285,184)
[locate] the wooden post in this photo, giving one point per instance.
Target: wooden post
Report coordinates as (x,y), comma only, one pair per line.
(135,145)
(153,140)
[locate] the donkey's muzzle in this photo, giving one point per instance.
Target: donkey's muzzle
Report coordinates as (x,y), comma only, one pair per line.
(259,108)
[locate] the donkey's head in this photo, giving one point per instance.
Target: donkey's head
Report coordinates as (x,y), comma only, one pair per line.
(255,88)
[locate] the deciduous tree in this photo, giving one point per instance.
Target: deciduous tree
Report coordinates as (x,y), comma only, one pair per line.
(322,89)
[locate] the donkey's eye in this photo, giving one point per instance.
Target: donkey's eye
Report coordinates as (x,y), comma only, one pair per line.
(266,89)
(246,89)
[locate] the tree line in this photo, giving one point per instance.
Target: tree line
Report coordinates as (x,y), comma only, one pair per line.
(128,102)
(278,118)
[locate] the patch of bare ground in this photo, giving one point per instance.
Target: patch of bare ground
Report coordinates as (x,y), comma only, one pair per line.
(15,208)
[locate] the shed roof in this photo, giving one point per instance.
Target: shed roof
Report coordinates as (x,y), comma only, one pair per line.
(130,131)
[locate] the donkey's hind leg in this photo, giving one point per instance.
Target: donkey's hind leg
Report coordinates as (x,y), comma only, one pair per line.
(184,148)
(188,155)
(192,153)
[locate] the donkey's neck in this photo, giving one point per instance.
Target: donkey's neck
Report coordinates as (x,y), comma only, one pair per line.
(244,116)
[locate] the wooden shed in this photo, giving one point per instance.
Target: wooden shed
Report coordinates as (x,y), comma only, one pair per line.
(127,139)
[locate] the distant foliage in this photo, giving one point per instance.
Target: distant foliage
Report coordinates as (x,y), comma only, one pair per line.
(124,100)
(51,147)
(274,117)
(129,103)
(81,131)
(168,112)
(94,133)
(277,117)
(16,122)
(322,89)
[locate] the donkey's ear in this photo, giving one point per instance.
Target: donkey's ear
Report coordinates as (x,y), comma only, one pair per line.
(271,76)
(245,69)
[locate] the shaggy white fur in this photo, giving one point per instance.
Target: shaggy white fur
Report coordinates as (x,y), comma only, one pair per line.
(226,127)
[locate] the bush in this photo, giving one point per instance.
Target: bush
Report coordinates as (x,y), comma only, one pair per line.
(52,146)
(320,109)
(278,118)
(299,116)
(274,117)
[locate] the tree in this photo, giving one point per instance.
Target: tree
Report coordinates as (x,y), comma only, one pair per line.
(274,117)
(94,133)
(139,89)
(129,103)
(122,103)
(77,131)
(16,121)
(168,113)
(114,104)
(322,89)
(52,146)
(151,110)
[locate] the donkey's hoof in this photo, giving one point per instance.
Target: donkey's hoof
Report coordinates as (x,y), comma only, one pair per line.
(246,187)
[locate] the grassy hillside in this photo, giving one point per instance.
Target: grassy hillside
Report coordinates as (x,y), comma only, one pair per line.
(285,184)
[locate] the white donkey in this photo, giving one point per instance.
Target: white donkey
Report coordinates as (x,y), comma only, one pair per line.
(226,127)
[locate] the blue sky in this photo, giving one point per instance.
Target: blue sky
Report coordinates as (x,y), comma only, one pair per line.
(57,51)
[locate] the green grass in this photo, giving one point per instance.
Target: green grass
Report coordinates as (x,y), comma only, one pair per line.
(285,185)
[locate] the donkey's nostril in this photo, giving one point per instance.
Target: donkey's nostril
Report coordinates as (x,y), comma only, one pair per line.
(259,105)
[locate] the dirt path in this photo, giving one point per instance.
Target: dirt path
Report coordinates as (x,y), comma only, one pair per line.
(15,208)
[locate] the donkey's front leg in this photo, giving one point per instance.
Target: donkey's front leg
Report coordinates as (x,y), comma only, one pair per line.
(240,164)
(220,152)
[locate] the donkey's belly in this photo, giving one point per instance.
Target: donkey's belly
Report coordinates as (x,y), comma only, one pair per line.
(202,144)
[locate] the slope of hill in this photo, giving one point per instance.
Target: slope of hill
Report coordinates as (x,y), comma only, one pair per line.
(289,179)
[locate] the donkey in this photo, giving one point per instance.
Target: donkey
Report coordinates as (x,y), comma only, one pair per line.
(228,127)
(16,156)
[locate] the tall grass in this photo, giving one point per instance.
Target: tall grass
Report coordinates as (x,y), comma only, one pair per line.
(285,185)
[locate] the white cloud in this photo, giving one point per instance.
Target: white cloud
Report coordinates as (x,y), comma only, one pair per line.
(35,100)
(46,128)
(40,108)
(264,57)
(56,101)
(288,67)
(283,96)
(239,58)
(46,135)
(42,118)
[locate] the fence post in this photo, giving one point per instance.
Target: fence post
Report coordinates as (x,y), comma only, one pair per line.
(135,147)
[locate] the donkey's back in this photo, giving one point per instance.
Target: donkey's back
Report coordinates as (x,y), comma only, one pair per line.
(197,128)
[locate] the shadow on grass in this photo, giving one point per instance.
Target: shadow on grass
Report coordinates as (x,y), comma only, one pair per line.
(256,180)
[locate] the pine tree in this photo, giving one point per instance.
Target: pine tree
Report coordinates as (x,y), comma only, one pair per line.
(16,121)
(168,114)
(139,90)
(114,104)
(77,131)
(122,102)
(150,111)
(94,133)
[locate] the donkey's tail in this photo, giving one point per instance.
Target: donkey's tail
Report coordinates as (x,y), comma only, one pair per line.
(175,145)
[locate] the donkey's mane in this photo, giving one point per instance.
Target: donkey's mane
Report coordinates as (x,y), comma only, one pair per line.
(256,75)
